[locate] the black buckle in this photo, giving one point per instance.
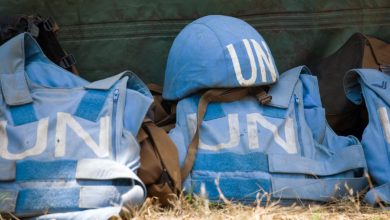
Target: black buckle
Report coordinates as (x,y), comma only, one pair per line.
(25,24)
(67,61)
(263,97)
(165,178)
(385,68)
(33,29)
(50,25)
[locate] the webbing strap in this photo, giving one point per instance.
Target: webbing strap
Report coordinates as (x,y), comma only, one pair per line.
(7,170)
(63,197)
(154,88)
(8,200)
(35,200)
(282,163)
(12,69)
(281,188)
(14,87)
(162,118)
(315,189)
(233,188)
(379,50)
(212,95)
(167,151)
(89,169)
(91,104)
(378,194)
(101,169)
(345,159)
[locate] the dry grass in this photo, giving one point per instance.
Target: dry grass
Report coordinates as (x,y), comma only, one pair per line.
(200,208)
(186,207)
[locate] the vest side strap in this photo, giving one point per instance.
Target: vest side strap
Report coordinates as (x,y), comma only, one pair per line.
(7,171)
(315,189)
(60,199)
(240,188)
(8,200)
(380,193)
(345,159)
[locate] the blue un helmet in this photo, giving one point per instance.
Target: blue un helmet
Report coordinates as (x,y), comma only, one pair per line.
(217,52)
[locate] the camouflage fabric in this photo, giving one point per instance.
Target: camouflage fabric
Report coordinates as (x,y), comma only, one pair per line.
(110,36)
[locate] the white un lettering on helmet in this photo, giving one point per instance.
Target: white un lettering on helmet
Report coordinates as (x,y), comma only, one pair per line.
(263,57)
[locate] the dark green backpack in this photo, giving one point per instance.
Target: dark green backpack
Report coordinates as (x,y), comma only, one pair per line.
(45,32)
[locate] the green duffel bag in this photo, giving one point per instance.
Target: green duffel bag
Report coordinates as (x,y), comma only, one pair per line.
(108,36)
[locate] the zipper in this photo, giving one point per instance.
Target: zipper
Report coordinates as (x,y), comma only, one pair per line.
(296,111)
(114,117)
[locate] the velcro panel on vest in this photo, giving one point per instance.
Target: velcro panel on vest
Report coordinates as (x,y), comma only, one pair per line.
(95,97)
(222,162)
(345,159)
(91,104)
(213,111)
(23,114)
(31,170)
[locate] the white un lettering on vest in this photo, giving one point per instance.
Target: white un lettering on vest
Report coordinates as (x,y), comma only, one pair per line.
(264,60)
(64,121)
(253,120)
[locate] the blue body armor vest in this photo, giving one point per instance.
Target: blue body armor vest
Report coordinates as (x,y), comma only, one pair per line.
(67,146)
(285,148)
(373,87)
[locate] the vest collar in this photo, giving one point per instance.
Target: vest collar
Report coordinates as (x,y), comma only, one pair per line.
(376,80)
(282,91)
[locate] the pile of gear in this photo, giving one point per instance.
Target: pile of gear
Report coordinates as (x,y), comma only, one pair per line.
(226,123)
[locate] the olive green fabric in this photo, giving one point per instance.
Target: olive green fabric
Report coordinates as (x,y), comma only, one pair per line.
(108,36)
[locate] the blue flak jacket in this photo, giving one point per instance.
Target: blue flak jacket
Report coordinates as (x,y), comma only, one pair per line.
(285,149)
(372,87)
(67,146)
